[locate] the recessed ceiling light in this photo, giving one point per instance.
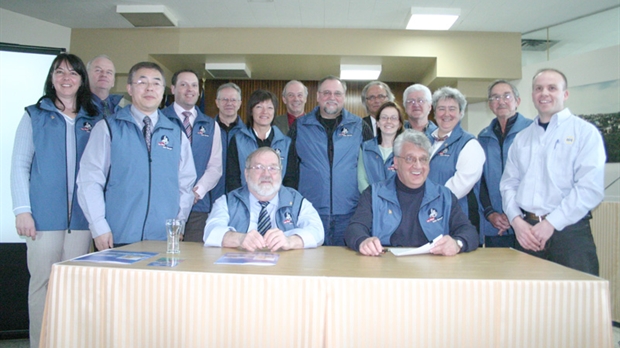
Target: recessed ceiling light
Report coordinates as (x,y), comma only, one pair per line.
(432,18)
(359,72)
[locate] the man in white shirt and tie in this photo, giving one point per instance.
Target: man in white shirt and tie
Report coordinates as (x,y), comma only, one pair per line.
(205,137)
(263,214)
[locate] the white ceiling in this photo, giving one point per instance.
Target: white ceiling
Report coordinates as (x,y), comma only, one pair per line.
(483,15)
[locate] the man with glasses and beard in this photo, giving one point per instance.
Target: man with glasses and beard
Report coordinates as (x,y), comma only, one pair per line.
(263,214)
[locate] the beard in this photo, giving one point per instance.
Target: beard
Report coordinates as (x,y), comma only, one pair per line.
(331,109)
(265,189)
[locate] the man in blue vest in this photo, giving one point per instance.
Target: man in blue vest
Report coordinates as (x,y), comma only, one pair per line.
(408,210)
(204,135)
(495,139)
(101,76)
(263,214)
(417,101)
(323,157)
(138,169)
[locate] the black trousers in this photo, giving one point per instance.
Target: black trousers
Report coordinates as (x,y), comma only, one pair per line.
(195,227)
(572,247)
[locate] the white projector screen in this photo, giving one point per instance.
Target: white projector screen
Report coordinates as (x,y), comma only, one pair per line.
(22,76)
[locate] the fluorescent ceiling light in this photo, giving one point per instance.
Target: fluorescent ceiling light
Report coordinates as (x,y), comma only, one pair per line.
(147,15)
(359,72)
(432,18)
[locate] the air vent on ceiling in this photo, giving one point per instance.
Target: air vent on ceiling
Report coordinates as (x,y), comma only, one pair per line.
(536,45)
(228,70)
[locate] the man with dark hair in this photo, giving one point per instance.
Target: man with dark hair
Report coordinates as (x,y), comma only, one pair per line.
(137,169)
(553,178)
(323,158)
(495,230)
(204,135)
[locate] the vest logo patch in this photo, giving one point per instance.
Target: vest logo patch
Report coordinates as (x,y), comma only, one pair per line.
(432,216)
(288,219)
(391,168)
(344,132)
(444,153)
(87,127)
(202,131)
(163,142)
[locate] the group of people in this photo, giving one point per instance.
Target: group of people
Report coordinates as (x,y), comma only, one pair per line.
(86,168)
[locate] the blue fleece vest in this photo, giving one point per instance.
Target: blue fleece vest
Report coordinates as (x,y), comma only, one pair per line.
(48,172)
(331,190)
(220,188)
(430,128)
(202,144)
(142,190)
(443,162)
(494,167)
(376,169)
(287,213)
(434,213)
(246,144)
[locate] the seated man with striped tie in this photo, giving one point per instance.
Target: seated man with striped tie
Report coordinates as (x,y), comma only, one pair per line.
(263,214)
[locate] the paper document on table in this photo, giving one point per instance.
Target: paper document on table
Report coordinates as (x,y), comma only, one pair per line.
(254,259)
(424,249)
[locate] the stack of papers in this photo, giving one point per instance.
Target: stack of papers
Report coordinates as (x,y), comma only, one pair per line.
(424,249)
(255,259)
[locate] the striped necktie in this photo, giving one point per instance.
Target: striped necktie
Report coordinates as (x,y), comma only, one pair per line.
(187,125)
(147,132)
(264,222)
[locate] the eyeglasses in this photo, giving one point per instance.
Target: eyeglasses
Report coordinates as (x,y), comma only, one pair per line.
(444,109)
(144,84)
(270,169)
(496,98)
(415,101)
(379,97)
(229,100)
(329,94)
(411,159)
(385,118)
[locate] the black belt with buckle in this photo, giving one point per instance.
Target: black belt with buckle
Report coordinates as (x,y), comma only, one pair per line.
(532,216)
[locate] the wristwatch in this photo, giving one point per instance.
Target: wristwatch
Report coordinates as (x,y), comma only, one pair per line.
(460,244)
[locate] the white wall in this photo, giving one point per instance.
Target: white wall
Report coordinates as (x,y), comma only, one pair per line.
(21,86)
(581,70)
(19,29)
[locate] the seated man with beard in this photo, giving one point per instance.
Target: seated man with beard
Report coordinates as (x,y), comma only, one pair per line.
(263,214)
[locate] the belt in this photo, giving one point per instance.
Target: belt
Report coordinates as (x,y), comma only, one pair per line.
(532,216)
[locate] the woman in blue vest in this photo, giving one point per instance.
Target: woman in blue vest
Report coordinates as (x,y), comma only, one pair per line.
(376,160)
(456,156)
(258,133)
(48,145)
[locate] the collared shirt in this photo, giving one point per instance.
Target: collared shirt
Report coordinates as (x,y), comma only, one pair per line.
(291,118)
(469,166)
(179,110)
(92,178)
(559,172)
(255,208)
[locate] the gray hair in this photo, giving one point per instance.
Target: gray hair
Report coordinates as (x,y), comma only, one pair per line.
(90,62)
(260,150)
(333,78)
(415,88)
(292,82)
(228,85)
(383,85)
(450,93)
(414,137)
(514,89)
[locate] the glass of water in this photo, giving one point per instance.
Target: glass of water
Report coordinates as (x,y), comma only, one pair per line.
(174,230)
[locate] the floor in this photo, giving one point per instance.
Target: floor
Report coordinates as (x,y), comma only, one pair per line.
(24,343)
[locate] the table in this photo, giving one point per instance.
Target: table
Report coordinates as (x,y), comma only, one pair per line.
(327,297)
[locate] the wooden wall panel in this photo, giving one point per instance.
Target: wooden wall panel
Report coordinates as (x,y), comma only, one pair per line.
(353,102)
